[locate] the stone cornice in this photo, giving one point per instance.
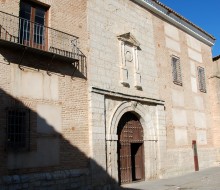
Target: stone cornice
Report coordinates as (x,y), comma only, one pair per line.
(127,96)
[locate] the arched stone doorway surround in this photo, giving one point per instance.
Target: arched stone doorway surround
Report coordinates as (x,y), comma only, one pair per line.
(147,121)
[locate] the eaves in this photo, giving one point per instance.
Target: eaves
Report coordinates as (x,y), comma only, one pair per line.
(177,20)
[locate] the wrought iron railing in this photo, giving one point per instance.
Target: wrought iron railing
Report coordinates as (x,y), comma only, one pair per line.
(24,32)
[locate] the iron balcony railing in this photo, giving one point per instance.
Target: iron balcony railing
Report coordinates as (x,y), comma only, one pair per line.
(30,34)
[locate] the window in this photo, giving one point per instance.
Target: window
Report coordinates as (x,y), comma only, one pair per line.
(18,130)
(201,79)
(177,77)
(33,17)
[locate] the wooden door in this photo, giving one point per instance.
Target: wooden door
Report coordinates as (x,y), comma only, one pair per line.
(130,149)
(139,163)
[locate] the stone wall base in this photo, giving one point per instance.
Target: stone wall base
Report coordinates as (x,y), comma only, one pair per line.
(79,179)
(57,180)
(181,161)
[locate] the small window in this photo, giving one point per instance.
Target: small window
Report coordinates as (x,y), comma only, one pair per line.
(177,77)
(201,79)
(18,130)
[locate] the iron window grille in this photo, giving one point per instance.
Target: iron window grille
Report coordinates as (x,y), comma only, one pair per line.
(201,79)
(176,71)
(18,129)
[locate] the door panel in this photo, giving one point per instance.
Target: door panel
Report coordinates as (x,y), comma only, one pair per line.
(130,145)
(139,163)
(125,163)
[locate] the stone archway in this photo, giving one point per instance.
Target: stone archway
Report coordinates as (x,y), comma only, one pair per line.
(112,131)
(130,149)
(152,120)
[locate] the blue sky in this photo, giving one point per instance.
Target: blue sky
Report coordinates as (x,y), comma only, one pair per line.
(205,14)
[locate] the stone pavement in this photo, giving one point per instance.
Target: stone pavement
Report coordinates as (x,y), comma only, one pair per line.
(208,179)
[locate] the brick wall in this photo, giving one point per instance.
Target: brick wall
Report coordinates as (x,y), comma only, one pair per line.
(58,101)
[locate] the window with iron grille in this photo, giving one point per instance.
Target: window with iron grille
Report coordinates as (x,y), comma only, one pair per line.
(18,129)
(201,79)
(176,70)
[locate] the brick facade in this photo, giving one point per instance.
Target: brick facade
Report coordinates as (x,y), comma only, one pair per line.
(58,103)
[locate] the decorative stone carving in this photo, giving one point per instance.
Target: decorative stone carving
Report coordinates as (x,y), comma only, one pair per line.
(129,47)
(128,56)
(134,104)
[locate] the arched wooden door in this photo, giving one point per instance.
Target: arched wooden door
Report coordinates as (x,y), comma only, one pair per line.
(130,149)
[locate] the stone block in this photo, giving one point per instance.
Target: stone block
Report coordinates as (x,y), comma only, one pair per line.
(194,84)
(195,55)
(27,83)
(172,44)
(7,179)
(48,176)
(178,98)
(193,43)
(25,186)
(171,31)
(199,102)
(33,84)
(15,187)
(49,119)
(193,68)
(200,120)
(25,178)
(16,179)
(179,117)
(201,137)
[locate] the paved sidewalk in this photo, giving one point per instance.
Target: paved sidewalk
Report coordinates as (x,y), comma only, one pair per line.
(208,179)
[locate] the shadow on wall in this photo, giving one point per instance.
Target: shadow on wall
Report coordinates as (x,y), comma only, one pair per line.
(28,57)
(35,161)
(33,155)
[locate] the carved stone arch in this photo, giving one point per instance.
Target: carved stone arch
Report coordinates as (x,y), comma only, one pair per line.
(147,122)
(134,107)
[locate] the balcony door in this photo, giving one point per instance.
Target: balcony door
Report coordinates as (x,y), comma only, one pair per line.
(32,30)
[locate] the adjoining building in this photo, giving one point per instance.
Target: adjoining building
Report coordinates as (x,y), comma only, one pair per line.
(95,94)
(214,82)
(43,94)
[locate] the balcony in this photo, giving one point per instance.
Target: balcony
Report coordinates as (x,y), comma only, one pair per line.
(29,36)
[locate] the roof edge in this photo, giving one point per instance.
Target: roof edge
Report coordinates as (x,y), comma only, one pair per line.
(216,58)
(178,20)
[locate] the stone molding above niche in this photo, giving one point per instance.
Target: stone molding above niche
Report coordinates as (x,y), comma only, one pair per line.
(129,48)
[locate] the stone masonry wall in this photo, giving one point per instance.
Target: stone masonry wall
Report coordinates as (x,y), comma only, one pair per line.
(120,17)
(58,180)
(215,89)
(188,111)
(111,60)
